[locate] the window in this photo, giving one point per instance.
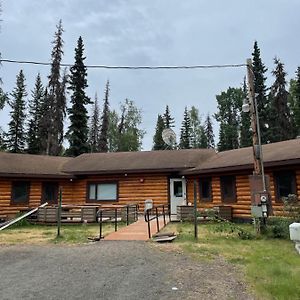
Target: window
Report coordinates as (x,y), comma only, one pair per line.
(205,189)
(103,191)
(285,184)
(20,192)
(177,189)
(50,192)
(228,189)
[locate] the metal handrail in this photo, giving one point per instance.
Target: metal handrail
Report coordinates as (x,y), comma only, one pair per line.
(148,219)
(115,216)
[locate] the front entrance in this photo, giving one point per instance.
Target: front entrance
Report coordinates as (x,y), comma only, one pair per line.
(177,194)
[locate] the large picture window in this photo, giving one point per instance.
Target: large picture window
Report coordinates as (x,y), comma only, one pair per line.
(205,189)
(103,191)
(285,182)
(228,189)
(50,192)
(20,192)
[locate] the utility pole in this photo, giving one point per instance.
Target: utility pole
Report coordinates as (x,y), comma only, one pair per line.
(253,117)
(256,138)
(259,196)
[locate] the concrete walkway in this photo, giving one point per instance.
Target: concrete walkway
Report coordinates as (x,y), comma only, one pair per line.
(137,231)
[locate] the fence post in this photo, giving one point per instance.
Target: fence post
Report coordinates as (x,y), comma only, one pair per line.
(127,215)
(195,210)
(157,221)
(164,215)
(116,216)
(59,213)
(148,220)
(100,224)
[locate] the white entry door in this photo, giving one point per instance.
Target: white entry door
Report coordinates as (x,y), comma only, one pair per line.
(177,193)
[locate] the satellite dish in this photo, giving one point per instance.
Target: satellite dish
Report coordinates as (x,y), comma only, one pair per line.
(169,136)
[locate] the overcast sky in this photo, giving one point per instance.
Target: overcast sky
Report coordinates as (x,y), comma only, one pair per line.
(156,32)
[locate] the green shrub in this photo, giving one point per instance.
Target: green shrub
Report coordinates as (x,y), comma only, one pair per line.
(231,228)
(278,227)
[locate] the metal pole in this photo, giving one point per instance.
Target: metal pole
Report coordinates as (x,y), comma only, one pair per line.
(195,210)
(148,220)
(164,215)
(157,221)
(100,225)
(127,217)
(116,216)
(59,213)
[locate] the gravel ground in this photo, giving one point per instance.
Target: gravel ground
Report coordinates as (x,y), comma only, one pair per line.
(113,270)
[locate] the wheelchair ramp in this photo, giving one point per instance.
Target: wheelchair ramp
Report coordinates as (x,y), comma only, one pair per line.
(137,231)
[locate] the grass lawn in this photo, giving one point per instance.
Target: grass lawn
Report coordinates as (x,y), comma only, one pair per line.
(271,266)
(43,234)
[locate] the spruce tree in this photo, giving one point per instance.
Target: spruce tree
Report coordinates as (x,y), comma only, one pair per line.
(294,101)
(158,143)
(129,134)
(94,130)
(245,131)
(209,137)
(198,139)
(280,123)
(168,120)
(260,89)
(16,132)
(56,98)
(185,131)
(35,105)
(103,139)
(229,103)
(78,129)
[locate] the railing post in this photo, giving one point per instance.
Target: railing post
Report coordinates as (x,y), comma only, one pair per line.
(157,221)
(164,215)
(148,221)
(136,212)
(100,224)
(127,215)
(116,216)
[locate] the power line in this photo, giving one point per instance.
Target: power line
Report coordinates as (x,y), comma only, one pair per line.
(128,67)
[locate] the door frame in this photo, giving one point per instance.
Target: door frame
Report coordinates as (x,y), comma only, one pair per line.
(183,179)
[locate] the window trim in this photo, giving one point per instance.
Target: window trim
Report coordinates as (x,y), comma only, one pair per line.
(101,182)
(209,181)
(232,199)
(278,199)
(13,184)
(43,192)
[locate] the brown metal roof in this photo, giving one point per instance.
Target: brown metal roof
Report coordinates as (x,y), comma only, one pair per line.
(275,154)
(194,161)
(27,165)
(151,161)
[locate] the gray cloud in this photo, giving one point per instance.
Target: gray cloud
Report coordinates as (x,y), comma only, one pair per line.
(141,32)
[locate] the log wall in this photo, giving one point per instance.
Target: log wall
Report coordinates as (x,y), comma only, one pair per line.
(132,188)
(10,210)
(242,207)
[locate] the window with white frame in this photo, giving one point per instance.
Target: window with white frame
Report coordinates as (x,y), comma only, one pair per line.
(102,191)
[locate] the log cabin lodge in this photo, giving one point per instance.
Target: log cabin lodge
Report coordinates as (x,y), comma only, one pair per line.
(166,177)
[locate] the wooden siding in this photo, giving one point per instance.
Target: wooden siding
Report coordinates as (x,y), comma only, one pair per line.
(242,207)
(132,188)
(8,209)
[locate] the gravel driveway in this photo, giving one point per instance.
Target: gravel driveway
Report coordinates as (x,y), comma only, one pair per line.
(112,270)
